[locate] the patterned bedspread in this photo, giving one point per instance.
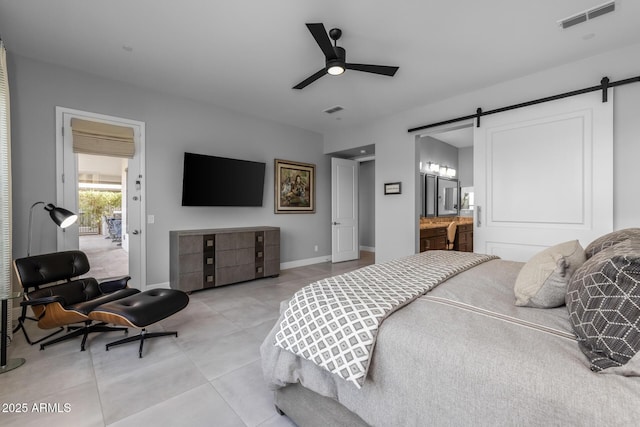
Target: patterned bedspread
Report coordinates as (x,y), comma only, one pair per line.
(334,322)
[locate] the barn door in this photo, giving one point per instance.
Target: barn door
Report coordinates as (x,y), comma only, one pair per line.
(543,175)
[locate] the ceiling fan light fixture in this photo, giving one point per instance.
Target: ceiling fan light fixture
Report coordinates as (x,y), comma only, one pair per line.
(335,69)
(336,66)
(336,57)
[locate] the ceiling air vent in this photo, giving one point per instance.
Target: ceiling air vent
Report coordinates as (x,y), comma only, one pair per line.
(574,20)
(601,10)
(334,109)
(583,16)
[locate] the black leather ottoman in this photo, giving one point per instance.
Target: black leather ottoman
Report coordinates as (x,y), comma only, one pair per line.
(141,310)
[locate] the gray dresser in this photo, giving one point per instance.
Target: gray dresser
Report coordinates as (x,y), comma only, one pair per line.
(200,259)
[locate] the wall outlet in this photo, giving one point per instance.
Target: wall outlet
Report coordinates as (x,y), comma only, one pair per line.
(315,248)
(151,219)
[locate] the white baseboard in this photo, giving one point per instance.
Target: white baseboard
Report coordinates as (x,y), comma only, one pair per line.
(368,248)
(303,262)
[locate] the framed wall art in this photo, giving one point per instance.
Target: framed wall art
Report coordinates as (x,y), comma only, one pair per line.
(295,187)
(392,188)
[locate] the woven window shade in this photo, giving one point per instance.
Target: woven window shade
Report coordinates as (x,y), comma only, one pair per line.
(102,139)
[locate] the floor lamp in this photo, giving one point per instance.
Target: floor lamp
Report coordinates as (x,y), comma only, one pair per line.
(63,218)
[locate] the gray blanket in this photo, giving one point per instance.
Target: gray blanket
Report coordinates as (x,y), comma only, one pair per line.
(443,364)
(334,321)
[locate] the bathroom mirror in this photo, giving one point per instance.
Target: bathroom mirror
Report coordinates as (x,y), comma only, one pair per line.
(429,195)
(448,197)
(466,201)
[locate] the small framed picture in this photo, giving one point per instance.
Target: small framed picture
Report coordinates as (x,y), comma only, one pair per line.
(393,188)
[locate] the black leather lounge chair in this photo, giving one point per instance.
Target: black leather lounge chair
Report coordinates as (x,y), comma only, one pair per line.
(65,304)
(87,301)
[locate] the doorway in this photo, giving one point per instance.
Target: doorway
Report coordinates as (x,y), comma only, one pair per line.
(102,210)
(108,193)
(444,189)
(357,238)
(345,243)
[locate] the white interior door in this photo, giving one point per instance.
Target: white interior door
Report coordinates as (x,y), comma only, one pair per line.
(345,244)
(543,175)
(133,192)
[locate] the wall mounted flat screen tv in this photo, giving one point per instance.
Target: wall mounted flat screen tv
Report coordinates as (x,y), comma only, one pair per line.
(219,181)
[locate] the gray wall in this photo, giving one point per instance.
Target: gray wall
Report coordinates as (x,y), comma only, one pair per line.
(366,204)
(173,125)
(397,154)
(435,151)
(465,166)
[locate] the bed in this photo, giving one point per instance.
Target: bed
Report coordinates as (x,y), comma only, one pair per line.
(462,353)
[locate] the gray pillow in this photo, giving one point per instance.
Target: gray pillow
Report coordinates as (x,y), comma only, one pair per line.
(603,299)
(543,280)
(611,239)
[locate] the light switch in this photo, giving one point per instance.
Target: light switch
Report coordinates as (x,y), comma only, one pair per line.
(151,219)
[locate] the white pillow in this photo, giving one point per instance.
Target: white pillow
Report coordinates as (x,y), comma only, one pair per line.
(543,280)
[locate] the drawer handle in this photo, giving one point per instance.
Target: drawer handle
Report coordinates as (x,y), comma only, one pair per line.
(209,243)
(259,270)
(259,254)
(209,279)
(209,261)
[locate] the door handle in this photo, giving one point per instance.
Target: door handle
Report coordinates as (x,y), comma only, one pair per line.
(135,232)
(335,223)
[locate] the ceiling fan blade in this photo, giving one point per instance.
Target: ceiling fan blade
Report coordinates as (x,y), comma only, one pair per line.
(375,69)
(320,34)
(306,82)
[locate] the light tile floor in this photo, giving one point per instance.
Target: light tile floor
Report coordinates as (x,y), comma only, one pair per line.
(107,258)
(209,376)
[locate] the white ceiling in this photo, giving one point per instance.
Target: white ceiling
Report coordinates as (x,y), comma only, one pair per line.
(246,55)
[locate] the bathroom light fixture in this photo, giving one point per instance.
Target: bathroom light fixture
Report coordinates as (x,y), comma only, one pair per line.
(433,167)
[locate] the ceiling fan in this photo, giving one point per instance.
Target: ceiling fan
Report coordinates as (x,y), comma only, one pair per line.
(335,57)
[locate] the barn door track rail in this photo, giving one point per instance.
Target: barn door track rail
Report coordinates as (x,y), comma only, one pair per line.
(604,86)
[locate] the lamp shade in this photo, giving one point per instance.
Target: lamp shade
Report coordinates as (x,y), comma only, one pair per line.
(61,216)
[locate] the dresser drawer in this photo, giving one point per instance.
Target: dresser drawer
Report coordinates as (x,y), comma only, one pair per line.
(433,232)
(433,243)
(465,228)
(200,259)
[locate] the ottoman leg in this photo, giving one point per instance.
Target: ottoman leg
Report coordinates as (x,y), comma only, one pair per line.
(141,337)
